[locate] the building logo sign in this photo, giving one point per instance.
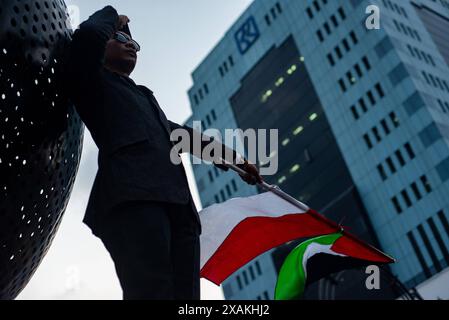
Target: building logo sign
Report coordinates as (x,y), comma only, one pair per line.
(247,35)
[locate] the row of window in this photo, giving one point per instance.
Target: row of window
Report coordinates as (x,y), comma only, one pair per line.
(390,164)
(273,14)
(421,55)
(340,15)
(432,226)
(226,193)
(267,94)
(387,124)
(226,66)
(362,107)
(355,71)
(415,189)
(395,8)
(315,7)
(200,95)
(253,270)
(435,81)
(211,117)
(407,30)
(346,43)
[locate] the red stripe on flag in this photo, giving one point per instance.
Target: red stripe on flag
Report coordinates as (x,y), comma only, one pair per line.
(359,250)
(256,235)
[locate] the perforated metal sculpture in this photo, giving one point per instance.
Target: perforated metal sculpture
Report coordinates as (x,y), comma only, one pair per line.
(40,136)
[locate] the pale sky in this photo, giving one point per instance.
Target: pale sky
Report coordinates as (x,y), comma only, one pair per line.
(175,36)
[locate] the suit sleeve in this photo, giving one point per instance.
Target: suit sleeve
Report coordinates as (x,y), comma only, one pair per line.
(89,44)
(206,141)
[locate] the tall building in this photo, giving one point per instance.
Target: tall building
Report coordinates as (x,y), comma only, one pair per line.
(362,117)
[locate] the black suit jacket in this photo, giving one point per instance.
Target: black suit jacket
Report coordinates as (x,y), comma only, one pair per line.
(127,124)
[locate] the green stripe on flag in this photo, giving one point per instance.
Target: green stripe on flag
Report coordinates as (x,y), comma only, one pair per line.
(292,276)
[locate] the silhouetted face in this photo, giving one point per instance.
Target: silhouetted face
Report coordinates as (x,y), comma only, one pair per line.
(121,53)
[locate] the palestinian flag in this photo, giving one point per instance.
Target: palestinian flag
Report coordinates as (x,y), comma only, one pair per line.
(318,257)
(237,231)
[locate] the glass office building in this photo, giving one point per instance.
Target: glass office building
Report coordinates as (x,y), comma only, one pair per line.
(362,117)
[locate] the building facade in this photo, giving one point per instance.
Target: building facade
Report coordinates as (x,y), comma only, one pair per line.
(362,117)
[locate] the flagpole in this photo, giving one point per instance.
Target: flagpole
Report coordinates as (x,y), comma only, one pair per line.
(273,188)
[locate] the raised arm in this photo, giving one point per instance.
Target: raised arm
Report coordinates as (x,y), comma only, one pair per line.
(226,152)
(89,44)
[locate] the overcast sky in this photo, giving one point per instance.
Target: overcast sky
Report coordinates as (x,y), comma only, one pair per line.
(175,36)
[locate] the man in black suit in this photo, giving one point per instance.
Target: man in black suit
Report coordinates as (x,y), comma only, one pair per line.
(140,204)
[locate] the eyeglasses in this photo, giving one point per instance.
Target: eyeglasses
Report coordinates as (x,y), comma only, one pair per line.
(124,38)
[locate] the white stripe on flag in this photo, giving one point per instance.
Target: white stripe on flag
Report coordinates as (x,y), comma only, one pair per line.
(219,220)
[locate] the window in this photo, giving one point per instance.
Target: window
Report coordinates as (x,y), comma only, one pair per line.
(416,192)
(363,105)
(366,63)
(259,270)
(368,141)
(397,205)
(391,165)
(320,36)
(342,13)
(334,21)
(245,277)
(400,157)
(376,134)
(354,37)
(211,178)
(251,272)
(385,127)
(406,198)
(394,119)
(371,98)
(425,182)
(309,13)
(223,196)
(382,173)
(234,185)
(338,52)
(410,151)
(342,85)
(267,20)
(331,59)
(228,190)
(327,28)
(444,221)
(379,90)
(239,282)
(355,113)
